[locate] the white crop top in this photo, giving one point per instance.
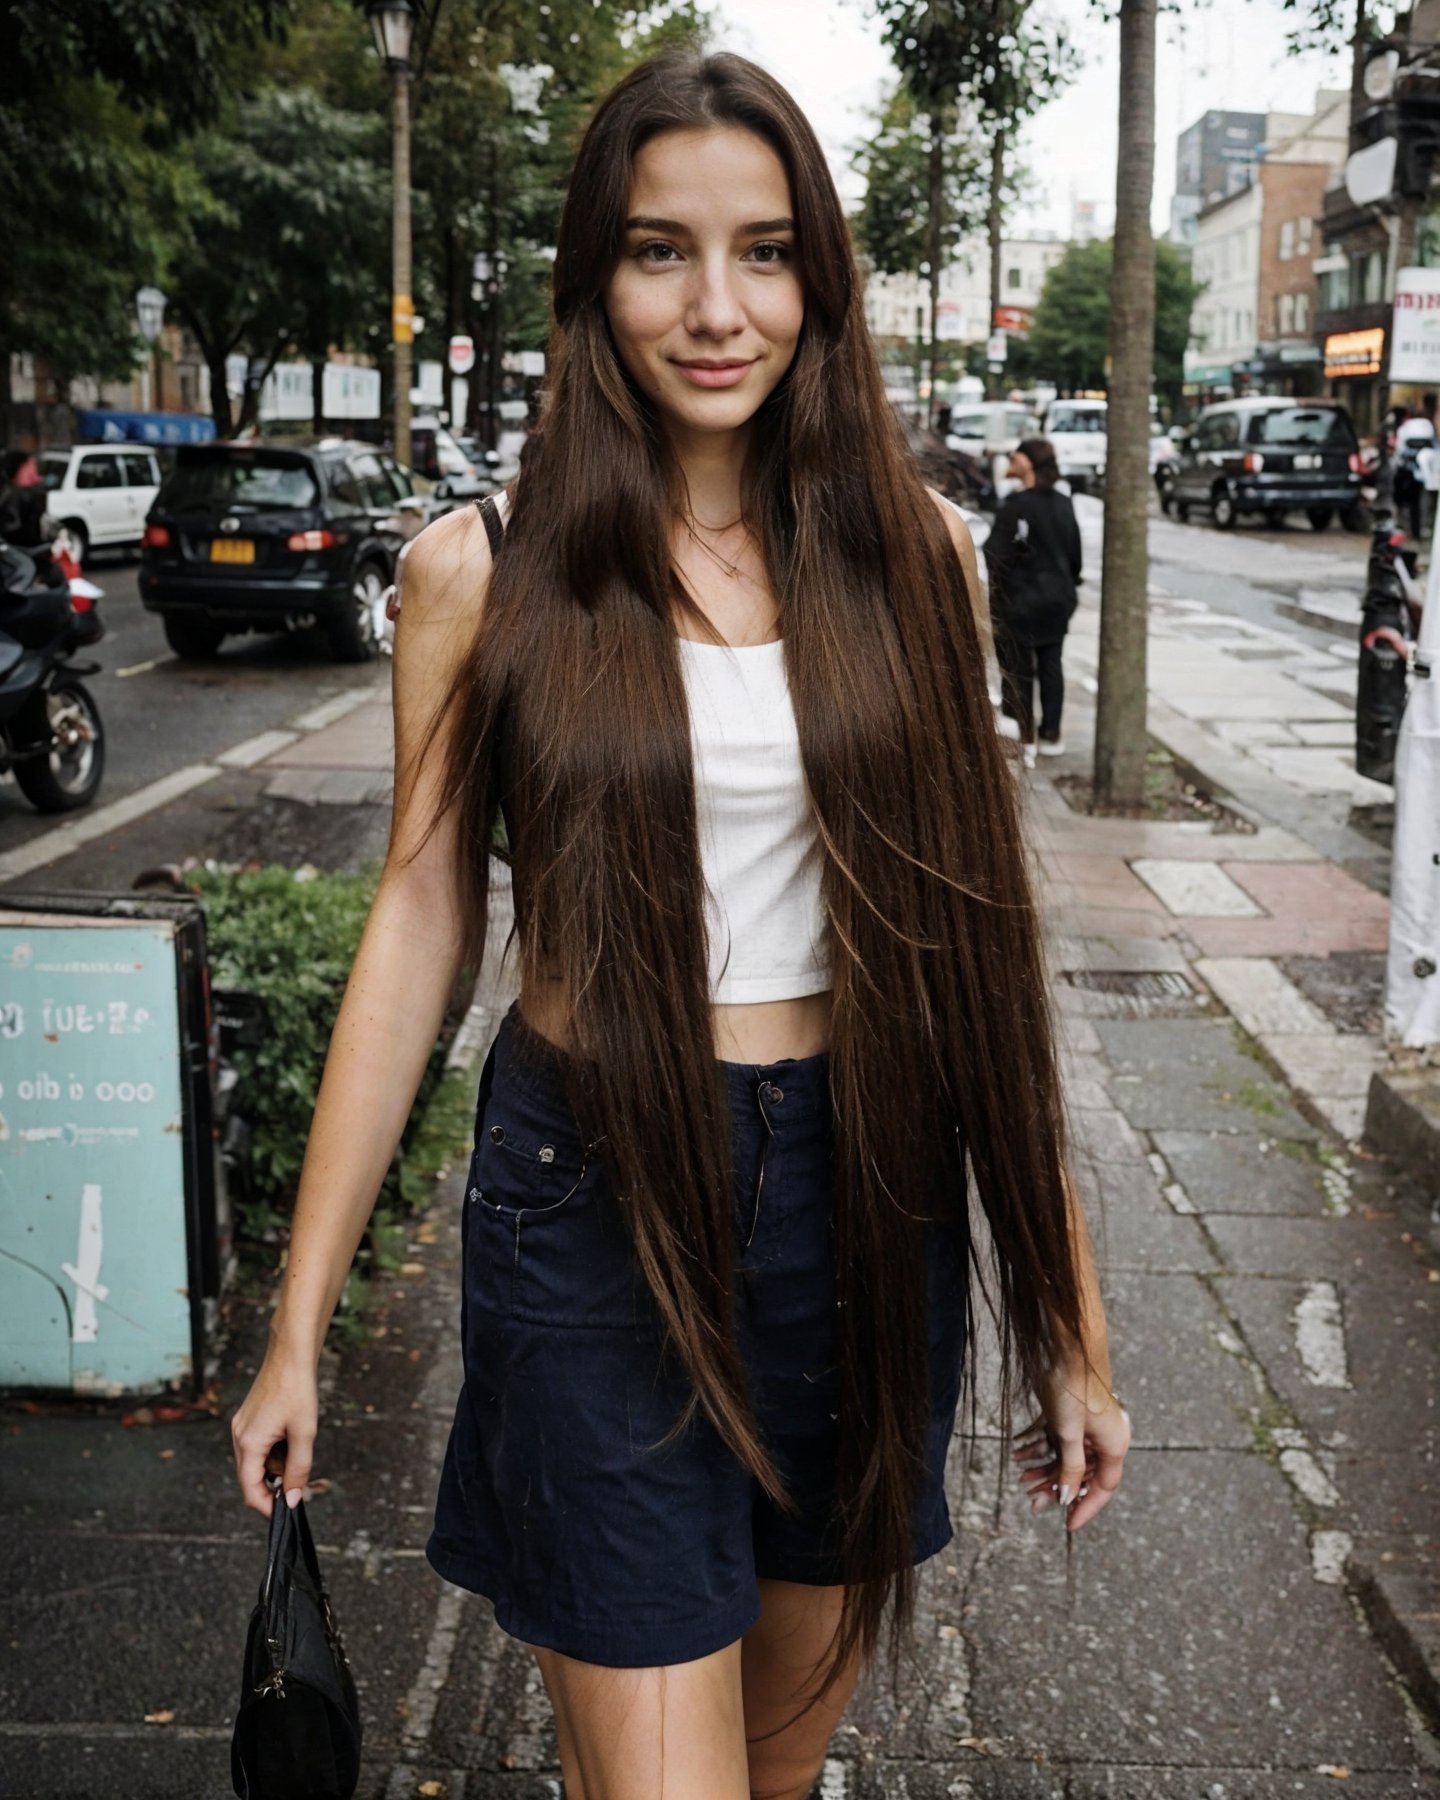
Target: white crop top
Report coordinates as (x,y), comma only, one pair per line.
(758,844)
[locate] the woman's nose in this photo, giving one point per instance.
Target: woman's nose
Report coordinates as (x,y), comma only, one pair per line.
(714,310)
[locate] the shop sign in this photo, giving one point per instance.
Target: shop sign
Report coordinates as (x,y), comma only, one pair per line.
(1415,336)
(1352,353)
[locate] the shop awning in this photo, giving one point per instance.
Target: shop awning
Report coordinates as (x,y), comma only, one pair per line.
(98,425)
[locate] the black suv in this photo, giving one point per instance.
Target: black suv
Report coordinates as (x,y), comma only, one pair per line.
(1270,456)
(261,537)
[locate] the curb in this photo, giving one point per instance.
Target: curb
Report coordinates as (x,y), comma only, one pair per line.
(1402,1117)
(1401,1603)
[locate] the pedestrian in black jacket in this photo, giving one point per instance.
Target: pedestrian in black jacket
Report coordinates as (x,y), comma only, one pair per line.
(1033,558)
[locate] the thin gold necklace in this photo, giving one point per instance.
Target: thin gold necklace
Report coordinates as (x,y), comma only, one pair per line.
(730,568)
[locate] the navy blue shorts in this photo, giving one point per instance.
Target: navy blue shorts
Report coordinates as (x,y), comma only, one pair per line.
(559,1498)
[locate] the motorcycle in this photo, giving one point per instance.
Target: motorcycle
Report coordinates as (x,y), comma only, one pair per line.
(51,735)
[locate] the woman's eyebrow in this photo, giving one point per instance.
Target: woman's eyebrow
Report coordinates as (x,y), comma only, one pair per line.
(643,222)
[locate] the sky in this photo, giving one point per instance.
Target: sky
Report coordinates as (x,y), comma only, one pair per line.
(1215,53)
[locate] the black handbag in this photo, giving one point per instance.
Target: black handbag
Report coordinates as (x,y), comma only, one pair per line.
(297,1733)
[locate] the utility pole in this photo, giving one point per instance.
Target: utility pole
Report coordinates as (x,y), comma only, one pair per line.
(393,22)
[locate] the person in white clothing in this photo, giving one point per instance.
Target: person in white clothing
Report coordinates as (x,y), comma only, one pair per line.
(782,1023)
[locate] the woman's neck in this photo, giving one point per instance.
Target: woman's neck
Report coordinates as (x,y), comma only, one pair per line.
(711,464)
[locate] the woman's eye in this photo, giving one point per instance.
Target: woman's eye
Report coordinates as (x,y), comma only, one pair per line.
(782,253)
(645,252)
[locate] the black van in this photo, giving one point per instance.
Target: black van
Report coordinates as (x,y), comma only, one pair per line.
(260,536)
(1270,456)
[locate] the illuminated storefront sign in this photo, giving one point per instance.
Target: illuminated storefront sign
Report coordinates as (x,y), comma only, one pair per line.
(1350,353)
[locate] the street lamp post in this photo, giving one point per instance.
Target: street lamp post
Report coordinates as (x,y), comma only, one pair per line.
(150,306)
(393,22)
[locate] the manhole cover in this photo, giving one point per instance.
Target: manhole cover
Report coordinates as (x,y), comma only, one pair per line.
(1135,993)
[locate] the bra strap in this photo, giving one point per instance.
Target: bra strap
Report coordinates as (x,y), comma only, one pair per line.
(494,527)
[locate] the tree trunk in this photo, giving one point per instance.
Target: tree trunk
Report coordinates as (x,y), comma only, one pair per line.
(1120,727)
(995,226)
(934,239)
(317,394)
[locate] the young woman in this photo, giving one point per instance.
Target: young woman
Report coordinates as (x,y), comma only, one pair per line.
(1033,556)
(782,1009)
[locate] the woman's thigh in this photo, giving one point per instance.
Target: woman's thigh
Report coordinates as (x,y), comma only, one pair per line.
(675,1733)
(783,1663)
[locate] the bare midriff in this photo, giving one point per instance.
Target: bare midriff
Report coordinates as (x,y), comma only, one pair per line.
(764,1031)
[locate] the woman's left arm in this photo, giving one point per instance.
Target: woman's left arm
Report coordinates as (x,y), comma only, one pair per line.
(1073,1455)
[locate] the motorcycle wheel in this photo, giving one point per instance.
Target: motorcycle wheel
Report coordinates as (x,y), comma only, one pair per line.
(70,775)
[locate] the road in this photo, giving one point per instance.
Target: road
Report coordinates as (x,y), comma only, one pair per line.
(162,715)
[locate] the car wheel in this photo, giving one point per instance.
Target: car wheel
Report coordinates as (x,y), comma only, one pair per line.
(1222,508)
(1181,509)
(79,536)
(69,775)
(355,635)
(1320,516)
(1356,518)
(192,640)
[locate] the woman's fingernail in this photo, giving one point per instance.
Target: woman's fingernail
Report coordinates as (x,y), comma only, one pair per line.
(1083,1492)
(293,1497)
(1065,1495)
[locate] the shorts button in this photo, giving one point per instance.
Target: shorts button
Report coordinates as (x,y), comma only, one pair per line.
(497,1134)
(547,1153)
(774,1094)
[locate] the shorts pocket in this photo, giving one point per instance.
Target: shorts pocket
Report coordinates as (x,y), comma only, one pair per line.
(549,1242)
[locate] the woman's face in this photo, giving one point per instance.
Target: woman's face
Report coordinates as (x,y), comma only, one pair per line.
(706,301)
(1021,468)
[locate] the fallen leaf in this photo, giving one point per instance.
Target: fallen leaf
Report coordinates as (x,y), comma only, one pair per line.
(430,1789)
(165,1455)
(1337,1770)
(322,1486)
(159,1718)
(412,1268)
(507,1761)
(427,1234)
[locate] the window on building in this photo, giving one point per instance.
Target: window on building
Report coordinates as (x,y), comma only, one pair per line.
(1287,315)
(1287,239)
(1374,276)
(1012,279)
(1302,314)
(1302,236)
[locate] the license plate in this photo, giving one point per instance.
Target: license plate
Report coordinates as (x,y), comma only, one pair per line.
(232,550)
(1308,462)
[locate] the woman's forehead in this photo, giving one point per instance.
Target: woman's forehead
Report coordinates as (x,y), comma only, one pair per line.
(707,177)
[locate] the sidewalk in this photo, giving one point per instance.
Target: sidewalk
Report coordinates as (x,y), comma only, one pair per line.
(1254,1615)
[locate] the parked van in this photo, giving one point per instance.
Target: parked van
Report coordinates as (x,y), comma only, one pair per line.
(1077,429)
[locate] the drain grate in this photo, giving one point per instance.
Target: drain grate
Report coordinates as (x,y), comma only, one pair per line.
(1135,993)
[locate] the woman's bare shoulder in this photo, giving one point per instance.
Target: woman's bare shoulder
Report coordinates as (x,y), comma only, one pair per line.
(959,533)
(445,570)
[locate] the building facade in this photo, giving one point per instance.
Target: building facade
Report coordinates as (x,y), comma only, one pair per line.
(1214,159)
(897,307)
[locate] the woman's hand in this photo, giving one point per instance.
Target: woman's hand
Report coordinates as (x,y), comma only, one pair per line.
(1072,1455)
(282,1407)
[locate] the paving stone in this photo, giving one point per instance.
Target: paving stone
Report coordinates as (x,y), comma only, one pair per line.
(1196,889)
(156,1763)
(1242,1172)
(1148,1315)
(1127,1188)
(1172,1618)
(1193,1077)
(1256,992)
(1102,1135)
(1125,1240)
(1335,1066)
(1392,1347)
(1117,949)
(1330,1249)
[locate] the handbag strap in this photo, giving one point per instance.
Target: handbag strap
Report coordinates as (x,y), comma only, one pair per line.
(494,524)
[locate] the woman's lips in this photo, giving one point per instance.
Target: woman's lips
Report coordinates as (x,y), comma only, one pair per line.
(715,378)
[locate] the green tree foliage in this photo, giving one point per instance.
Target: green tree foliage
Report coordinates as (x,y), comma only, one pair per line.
(287,255)
(1069,339)
(892,226)
(93,94)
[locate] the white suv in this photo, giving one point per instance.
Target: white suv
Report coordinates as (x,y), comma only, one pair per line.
(101,493)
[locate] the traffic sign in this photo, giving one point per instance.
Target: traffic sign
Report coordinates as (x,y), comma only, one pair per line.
(462,355)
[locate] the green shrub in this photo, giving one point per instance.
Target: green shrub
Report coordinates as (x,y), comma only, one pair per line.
(291,937)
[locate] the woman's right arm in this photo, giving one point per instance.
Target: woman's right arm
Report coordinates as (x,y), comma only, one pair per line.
(406,965)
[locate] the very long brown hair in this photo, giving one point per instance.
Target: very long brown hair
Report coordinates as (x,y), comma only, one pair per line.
(570,716)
